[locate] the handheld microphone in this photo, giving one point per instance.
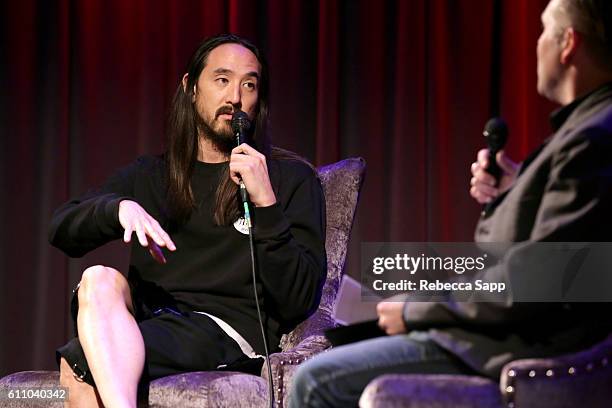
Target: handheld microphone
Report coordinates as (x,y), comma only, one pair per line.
(496,132)
(240,126)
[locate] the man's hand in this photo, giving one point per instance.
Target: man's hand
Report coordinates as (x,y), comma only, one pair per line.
(250,165)
(483,187)
(133,218)
(390,317)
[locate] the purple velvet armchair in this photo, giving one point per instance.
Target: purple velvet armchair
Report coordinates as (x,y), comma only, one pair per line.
(582,379)
(341,182)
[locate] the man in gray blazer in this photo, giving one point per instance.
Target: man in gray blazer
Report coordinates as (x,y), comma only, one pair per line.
(561,192)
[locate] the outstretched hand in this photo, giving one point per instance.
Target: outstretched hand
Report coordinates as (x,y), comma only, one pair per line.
(133,218)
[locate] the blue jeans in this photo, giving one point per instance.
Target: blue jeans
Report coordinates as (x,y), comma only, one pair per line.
(338,377)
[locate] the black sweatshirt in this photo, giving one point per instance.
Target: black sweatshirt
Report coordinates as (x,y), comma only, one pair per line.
(211,269)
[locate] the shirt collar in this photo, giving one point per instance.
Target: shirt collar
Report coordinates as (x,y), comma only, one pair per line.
(558,117)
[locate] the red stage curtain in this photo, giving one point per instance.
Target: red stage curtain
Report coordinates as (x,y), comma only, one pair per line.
(408,85)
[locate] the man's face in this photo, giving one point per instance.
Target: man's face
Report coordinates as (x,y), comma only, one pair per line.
(229,82)
(549,51)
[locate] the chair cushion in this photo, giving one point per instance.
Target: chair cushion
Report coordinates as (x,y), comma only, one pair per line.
(30,379)
(431,391)
(210,389)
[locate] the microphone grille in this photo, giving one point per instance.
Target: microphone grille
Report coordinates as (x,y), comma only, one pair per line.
(496,132)
(240,122)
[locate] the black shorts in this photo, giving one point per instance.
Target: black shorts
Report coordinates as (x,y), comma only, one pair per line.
(176,341)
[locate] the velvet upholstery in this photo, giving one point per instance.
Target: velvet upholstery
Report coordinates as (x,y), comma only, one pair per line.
(209,389)
(431,391)
(341,184)
(29,379)
(573,380)
(579,379)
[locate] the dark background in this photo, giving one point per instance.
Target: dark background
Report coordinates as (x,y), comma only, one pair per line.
(408,85)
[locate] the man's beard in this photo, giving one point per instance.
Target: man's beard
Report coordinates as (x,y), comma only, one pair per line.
(223,139)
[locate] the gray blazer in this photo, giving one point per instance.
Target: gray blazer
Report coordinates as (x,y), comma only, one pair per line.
(563,193)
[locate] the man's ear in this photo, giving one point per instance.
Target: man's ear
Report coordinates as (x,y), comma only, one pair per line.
(185,82)
(572,40)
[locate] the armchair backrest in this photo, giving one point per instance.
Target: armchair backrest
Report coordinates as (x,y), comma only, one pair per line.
(341,183)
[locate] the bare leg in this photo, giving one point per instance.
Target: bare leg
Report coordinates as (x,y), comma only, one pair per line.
(110,336)
(80,394)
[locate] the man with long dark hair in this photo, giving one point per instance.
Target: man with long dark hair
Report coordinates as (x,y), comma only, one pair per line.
(187,303)
(563,192)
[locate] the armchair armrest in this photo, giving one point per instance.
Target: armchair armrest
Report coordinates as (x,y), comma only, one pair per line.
(285,363)
(578,379)
(315,325)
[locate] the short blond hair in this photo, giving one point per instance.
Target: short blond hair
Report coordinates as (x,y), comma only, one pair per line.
(592,19)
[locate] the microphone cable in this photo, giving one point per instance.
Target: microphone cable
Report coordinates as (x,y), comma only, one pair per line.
(247,217)
(240,125)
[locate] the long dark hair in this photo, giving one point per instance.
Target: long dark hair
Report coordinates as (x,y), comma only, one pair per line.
(182,133)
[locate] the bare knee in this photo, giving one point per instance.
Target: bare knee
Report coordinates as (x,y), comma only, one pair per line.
(103,286)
